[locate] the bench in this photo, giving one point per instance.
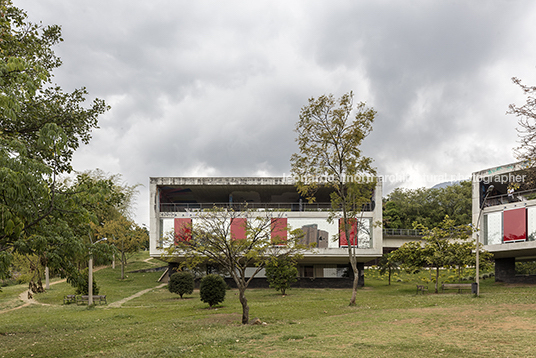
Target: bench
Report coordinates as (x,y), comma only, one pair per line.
(69,299)
(456,286)
(96,298)
(421,289)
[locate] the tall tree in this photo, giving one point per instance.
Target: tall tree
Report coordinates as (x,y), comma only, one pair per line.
(41,127)
(330,133)
(527,123)
(235,241)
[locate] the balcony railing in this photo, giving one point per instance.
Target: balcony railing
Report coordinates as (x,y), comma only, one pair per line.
(510,198)
(169,208)
(403,232)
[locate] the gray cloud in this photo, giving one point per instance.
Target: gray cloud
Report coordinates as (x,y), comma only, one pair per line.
(215,88)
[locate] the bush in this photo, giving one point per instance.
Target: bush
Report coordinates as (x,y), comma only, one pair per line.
(80,283)
(212,289)
(181,283)
(280,273)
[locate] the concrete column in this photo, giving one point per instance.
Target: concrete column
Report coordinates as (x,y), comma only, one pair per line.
(505,269)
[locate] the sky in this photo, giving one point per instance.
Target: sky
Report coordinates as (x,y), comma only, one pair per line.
(215,88)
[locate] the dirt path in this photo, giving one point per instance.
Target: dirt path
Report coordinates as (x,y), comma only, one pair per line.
(118,304)
(25,297)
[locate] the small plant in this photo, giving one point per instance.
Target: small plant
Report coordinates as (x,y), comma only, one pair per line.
(212,289)
(281,273)
(181,283)
(80,283)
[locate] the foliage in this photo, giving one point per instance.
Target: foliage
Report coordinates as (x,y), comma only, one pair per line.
(444,246)
(527,123)
(41,128)
(405,207)
(211,243)
(212,289)
(388,264)
(80,283)
(526,267)
(330,134)
(280,273)
(181,283)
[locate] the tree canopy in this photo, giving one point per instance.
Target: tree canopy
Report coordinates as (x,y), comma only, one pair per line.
(213,239)
(41,127)
(405,207)
(329,134)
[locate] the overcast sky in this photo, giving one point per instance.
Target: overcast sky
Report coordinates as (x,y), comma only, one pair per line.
(214,88)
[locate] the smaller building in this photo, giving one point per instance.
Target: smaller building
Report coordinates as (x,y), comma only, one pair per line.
(506,217)
(176,202)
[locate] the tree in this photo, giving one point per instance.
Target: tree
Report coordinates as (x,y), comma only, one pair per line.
(181,283)
(444,246)
(527,122)
(212,289)
(388,264)
(329,141)
(428,206)
(41,128)
(281,272)
(235,241)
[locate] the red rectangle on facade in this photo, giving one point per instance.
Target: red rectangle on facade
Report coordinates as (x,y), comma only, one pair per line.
(353,233)
(278,228)
(238,228)
(183,229)
(515,225)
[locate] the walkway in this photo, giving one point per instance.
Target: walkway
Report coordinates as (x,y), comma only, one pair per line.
(118,304)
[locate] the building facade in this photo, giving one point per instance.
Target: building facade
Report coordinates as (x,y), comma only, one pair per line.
(176,203)
(506,218)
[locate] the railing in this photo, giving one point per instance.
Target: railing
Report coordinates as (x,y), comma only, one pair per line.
(168,208)
(403,232)
(510,198)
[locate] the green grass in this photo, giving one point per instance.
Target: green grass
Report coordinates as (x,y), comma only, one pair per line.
(389,321)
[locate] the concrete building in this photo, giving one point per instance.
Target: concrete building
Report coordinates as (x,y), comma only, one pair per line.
(177,201)
(507,218)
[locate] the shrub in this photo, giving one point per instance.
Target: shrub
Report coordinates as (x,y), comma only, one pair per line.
(181,283)
(280,273)
(80,283)
(212,289)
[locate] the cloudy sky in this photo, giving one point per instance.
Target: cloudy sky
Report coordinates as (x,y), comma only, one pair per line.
(214,88)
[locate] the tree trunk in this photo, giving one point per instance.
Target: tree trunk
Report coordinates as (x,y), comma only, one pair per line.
(437,280)
(244,302)
(122,265)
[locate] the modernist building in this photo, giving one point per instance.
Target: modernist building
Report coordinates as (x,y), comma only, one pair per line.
(507,218)
(177,202)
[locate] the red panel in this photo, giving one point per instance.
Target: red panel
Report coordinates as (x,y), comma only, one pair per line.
(515,225)
(238,228)
(279,230)
(183,229)
(353,231)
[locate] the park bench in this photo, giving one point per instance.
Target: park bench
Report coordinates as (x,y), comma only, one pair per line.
(69,299)
(456,286)
(421,289)
(96,298)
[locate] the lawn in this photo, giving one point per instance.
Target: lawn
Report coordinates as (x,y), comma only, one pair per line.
(389,321)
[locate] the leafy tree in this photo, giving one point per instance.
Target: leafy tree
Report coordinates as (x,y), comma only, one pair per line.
(428,207)
(388,264)
(209,241)
(212,289)
(444,246)
(181,283)
(41,128)
(280,273)
(330,134)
